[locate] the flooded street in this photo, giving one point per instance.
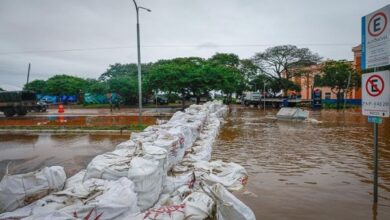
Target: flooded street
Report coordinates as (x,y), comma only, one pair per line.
(29,152)
(307,171)
(296,170)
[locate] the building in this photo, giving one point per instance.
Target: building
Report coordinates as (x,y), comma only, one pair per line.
(307,75)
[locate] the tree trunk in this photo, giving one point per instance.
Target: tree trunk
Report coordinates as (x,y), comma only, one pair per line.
(338,100)
(183,101)
(198,99)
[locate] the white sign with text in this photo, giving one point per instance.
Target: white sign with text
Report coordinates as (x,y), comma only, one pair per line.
(376,39)
(376,94)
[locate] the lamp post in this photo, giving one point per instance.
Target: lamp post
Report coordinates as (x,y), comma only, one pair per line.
(137,8)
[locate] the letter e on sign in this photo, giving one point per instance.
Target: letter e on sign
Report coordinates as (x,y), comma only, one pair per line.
(376,94)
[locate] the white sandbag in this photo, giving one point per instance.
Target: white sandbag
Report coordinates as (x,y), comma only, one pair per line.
(147,177)
(111,165)
(75,179)
(145,136)
(184,134)
(130,144)
(151,152)
(172,183)
(170,143)
(117,201)
(94,197)
(198,205)
(172,212)
(177,117)
(231,175)
(22,189)
(229,207)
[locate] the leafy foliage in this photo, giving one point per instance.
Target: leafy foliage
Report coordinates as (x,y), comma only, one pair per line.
(336,76)
(65,85)
(280,62)
(37,86)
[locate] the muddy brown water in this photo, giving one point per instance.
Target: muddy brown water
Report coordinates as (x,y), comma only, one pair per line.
(296,170)
(29,152)
(307,171)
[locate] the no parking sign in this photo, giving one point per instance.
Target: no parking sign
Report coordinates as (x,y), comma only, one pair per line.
(376,94)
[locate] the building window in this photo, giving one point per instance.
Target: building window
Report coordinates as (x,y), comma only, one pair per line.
(328,95)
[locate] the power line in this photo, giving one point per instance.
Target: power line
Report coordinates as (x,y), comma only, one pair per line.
(173,46)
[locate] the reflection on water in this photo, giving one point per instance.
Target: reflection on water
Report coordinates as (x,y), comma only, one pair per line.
(73,151)
(307,171)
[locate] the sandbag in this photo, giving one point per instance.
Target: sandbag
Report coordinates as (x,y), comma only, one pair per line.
(22,189)
(110,165)
(228,206)
(198,205)
(172,183)
(94,197)
(147,177)
(231,175)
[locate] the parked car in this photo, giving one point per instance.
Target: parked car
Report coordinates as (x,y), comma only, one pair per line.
(252,98)
(41,106)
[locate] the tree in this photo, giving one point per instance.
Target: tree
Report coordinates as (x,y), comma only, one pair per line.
(184,76)
(65,85)
(37,86)
(280,62)
(226,67)
(336,75)
(96,86)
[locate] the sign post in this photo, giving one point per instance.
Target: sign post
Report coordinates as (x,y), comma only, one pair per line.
(375,105)
(376,85)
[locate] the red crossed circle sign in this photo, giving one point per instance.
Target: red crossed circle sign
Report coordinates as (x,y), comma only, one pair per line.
(375,85)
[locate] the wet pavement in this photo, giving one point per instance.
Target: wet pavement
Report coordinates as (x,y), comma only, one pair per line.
(307,171)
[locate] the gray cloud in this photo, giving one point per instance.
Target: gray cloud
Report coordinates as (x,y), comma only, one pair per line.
(82,37)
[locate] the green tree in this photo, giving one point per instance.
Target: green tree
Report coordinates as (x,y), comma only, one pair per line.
(339,76)
(96,86)
(126,86)
(37,86)
(280,62)
(65,85)
(226,68)
(184,76)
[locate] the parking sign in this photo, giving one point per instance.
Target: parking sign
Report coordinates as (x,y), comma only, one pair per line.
(376,94)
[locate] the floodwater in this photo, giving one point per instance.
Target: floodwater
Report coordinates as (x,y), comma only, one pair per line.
(307,171)
(29,152)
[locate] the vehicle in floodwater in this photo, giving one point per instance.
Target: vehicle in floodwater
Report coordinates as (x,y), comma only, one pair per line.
(252,98)
(292,114)
(19,102)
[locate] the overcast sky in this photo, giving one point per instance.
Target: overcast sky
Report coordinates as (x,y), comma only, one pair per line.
(83,37)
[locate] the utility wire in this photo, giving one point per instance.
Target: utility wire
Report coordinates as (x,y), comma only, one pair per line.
(172,46)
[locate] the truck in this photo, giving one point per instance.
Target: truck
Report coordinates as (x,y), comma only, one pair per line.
(19,102)
(252,98)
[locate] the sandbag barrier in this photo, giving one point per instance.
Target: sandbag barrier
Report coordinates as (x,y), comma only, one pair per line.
(161,173)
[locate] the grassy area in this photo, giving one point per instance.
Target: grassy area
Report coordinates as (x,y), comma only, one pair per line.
(341,106)
(73,127)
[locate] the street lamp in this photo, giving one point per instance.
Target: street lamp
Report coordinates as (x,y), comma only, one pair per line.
(137,8)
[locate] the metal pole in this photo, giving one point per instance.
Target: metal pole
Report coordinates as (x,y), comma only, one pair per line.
(345,93)
(139,74)
(28,73)
(264,94)
(376,159)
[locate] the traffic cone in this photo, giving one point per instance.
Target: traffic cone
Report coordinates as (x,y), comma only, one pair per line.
(61,109)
